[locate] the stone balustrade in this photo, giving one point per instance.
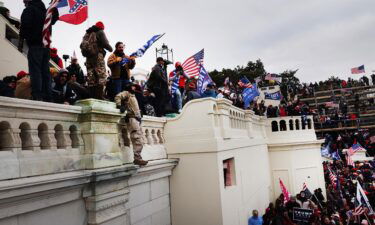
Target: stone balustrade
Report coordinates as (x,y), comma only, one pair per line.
(38,138)
(290,129)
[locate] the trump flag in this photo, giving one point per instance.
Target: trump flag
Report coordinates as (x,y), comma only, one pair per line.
(73,11)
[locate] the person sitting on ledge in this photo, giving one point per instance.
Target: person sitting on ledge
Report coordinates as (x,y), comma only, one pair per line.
(126,101)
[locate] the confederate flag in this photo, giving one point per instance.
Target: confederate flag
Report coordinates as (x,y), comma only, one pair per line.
(73,11)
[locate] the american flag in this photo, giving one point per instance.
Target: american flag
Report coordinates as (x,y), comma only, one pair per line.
(359,210)
(192,65)
(358,70)
(332,177)
(244,83)
(47,24)
(349,160)
(355,148)
(272,76)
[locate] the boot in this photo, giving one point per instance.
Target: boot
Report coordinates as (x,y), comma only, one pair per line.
(140,162)
(99,92)
(92,91)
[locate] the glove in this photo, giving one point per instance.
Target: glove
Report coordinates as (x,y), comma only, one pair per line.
(122,109)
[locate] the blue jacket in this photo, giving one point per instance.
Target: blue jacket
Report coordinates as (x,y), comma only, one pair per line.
(209,94)
(255,220)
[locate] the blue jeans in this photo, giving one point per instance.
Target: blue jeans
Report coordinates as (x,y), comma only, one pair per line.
(177,100)
(119,85)
(38,59)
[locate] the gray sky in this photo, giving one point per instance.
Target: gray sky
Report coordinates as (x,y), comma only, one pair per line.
(321,38)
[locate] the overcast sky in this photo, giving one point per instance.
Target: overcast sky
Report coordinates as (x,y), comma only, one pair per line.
(321,38)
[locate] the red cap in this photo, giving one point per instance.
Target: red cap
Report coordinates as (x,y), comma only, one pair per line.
(191,85)
(54,50)
(21,74)
(178,64)
(100,25)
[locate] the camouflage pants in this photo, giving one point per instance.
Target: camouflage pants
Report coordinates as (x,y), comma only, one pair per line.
(136,136)
(96,72)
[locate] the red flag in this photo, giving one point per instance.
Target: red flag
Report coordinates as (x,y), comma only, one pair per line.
(284,191)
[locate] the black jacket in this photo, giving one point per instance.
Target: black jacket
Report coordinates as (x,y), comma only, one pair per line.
(32,22)
(158,80)
(77,70)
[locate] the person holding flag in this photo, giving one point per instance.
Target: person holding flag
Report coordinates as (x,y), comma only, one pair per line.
(120,74)
(178,77)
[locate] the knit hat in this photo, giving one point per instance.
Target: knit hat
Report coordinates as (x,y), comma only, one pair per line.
(100,25)
(21,74)
(63,71)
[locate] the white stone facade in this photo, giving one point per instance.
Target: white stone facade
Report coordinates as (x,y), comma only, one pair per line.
(211,132)
(213,164)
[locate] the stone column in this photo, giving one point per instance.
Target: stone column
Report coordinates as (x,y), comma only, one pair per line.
(99,127)
(106,198)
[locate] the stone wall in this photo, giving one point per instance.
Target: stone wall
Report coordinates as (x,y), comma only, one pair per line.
(69,165)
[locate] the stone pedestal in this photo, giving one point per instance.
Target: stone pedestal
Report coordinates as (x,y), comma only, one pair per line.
(99,130)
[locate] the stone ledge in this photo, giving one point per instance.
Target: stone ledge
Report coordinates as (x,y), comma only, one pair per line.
(45,106)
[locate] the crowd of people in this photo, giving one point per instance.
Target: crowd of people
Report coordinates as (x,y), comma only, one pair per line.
(338,207)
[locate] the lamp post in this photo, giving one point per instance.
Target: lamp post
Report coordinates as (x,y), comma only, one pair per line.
(166,53)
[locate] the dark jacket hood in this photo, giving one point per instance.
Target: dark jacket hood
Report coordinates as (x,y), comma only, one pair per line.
(92,29)
(38,3)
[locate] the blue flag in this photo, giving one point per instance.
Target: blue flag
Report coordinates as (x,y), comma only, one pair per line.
(325,150)
(273,96)
(336,155)
(249,94)
(203,80)
(140,52)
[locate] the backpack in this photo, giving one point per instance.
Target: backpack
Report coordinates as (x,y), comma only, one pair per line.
(89,45)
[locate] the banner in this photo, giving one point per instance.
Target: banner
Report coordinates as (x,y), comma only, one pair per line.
(249,94)
(273,96)
(302,215)
(203,80)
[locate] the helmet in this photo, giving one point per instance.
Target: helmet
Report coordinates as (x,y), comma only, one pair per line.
(177,64)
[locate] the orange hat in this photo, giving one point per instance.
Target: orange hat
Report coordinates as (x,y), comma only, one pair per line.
(21,74)
(100,25)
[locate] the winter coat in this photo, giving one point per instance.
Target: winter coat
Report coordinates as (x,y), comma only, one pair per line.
(23,88)
(209,94)
(32,22)
(102,41)
(158,81)
(117,70)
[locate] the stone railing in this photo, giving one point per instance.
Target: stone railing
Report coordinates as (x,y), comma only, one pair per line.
(205,121)
(294,128)
(38,138)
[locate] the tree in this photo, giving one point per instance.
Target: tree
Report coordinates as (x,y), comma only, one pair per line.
(251,71)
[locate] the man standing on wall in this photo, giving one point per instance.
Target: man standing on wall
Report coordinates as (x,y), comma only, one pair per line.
(93,47)
(32,22)
(120,73)
(158,84)
(126,101)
